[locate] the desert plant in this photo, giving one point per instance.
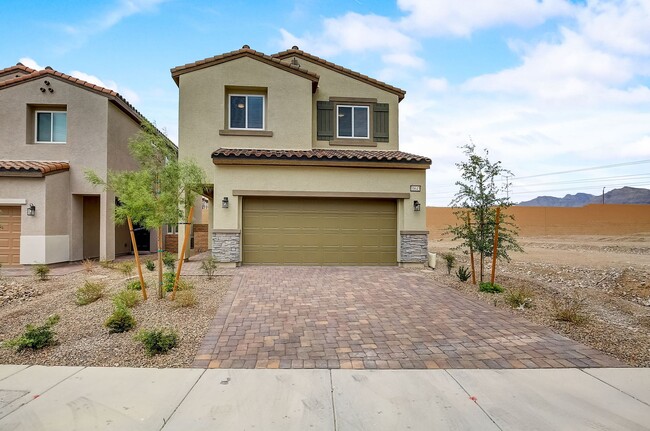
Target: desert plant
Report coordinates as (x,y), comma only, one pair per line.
(126,297)
(185,298)
(463,273)
(88,265)
(36,337)
(169,260)
(134,285)
(209,266)
(450,260)
(150,265)
(41,271)
(570,309)
(126,268)
(168,281)
(107,264)
(519,298)
(121,320)
(158,341)
(488,287)
(89,292)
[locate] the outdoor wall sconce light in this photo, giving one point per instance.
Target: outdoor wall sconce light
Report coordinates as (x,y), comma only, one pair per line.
(224,202)
(416,206)
(31,210)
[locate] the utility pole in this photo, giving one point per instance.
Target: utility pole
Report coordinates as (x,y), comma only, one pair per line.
(507,187)
(603,195)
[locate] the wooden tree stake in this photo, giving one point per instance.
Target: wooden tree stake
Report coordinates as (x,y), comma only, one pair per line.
(137,259)
(494,249)
(471,253)
(182,256)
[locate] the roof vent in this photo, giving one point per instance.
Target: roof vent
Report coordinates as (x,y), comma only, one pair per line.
(19,64)
(48,68)
(294,62)
(295,47)
(245,47)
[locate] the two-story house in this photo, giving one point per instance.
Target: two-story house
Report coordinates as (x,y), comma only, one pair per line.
(53,127)
(305,162)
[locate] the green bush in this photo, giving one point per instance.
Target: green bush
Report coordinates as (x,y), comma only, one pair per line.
(450,260)
(158,340)
(519,298)
(463,273)
(89,292)
(126,267)
(134,285)
(150,265)
(126,297)
(121,320)
(169,260)
(488,287)
(41,271)
(36,337)
(209,266)
(168,281)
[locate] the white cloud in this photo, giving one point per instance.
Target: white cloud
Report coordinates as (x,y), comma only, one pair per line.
(31,63)
(462,18)
(128,94)
(437,85)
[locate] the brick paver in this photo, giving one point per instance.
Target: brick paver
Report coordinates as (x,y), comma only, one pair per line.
(373,318)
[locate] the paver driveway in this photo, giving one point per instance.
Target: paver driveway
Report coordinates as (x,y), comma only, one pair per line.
(360,317)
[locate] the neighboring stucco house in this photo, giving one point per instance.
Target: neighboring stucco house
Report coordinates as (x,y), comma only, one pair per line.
(53,127)
(304,160)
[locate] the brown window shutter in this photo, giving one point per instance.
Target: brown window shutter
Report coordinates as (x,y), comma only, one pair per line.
(380,122)
(324,121)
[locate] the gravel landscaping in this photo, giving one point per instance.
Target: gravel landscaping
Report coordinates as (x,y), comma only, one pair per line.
(82,338)
(607,279)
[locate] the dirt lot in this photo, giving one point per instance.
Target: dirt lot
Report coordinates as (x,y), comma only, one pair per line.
(607,279)
(82,337)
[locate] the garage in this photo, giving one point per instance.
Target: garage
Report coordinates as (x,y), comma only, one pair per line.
(10,235)
(319,231)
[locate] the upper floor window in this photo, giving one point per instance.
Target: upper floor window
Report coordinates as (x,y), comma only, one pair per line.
(51,127)
(353,121)
(246,111)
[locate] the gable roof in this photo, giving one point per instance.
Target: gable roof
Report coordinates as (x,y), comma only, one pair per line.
(245,51)
(296,52)
(19,68)
(26,168)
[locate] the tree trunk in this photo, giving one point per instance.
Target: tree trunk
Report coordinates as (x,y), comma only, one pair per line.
(160,264)
(137,259)
(180,258)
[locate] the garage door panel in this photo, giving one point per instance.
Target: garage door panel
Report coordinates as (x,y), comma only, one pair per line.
(302,231)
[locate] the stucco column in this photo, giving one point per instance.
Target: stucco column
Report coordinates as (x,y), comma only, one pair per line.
(106,226)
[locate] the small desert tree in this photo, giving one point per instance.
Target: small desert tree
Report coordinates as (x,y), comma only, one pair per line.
(159,192)
(477,199)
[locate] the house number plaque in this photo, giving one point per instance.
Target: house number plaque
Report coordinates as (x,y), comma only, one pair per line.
(416,188)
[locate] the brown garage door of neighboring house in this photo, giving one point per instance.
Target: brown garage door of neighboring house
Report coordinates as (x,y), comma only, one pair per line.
(319,231)
(10,235)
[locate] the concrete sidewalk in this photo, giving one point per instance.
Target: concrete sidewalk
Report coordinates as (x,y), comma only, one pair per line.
(76,398)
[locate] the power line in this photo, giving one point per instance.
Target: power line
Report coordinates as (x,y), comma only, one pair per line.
(638,162)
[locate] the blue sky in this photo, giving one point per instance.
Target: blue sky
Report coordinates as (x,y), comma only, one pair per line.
(546,86)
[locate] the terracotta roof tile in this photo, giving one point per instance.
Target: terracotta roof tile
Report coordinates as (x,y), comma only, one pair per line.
(33,167)
(318,154)
(244,52)
(300,53)
(19,67)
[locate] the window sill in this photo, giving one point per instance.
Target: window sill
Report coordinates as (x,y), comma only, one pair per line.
(352,143)
(228,132)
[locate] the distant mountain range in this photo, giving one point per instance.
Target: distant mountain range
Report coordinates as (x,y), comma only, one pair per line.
(625,195)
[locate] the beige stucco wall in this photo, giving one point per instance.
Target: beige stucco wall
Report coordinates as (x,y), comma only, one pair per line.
(203,109)
(334,84)
(317,179)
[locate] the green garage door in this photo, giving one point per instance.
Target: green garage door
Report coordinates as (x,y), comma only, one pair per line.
(319,231)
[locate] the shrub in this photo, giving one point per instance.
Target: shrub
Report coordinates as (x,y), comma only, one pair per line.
(488,287)
(185,298)
(209,266)
(463,273)
(169,260)
(450,260)
(126,268)
(36,337)
(168,281)
(88,265)
(571,309)
(121,320)
(150,265)
(41,271)
(134,285)
(126,297)
(519,298)
(89,292)
(107,264)
(158,340)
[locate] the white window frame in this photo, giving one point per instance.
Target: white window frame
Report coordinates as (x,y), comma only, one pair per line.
(230,96)
(172,229)
(51,127)
(367,122)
